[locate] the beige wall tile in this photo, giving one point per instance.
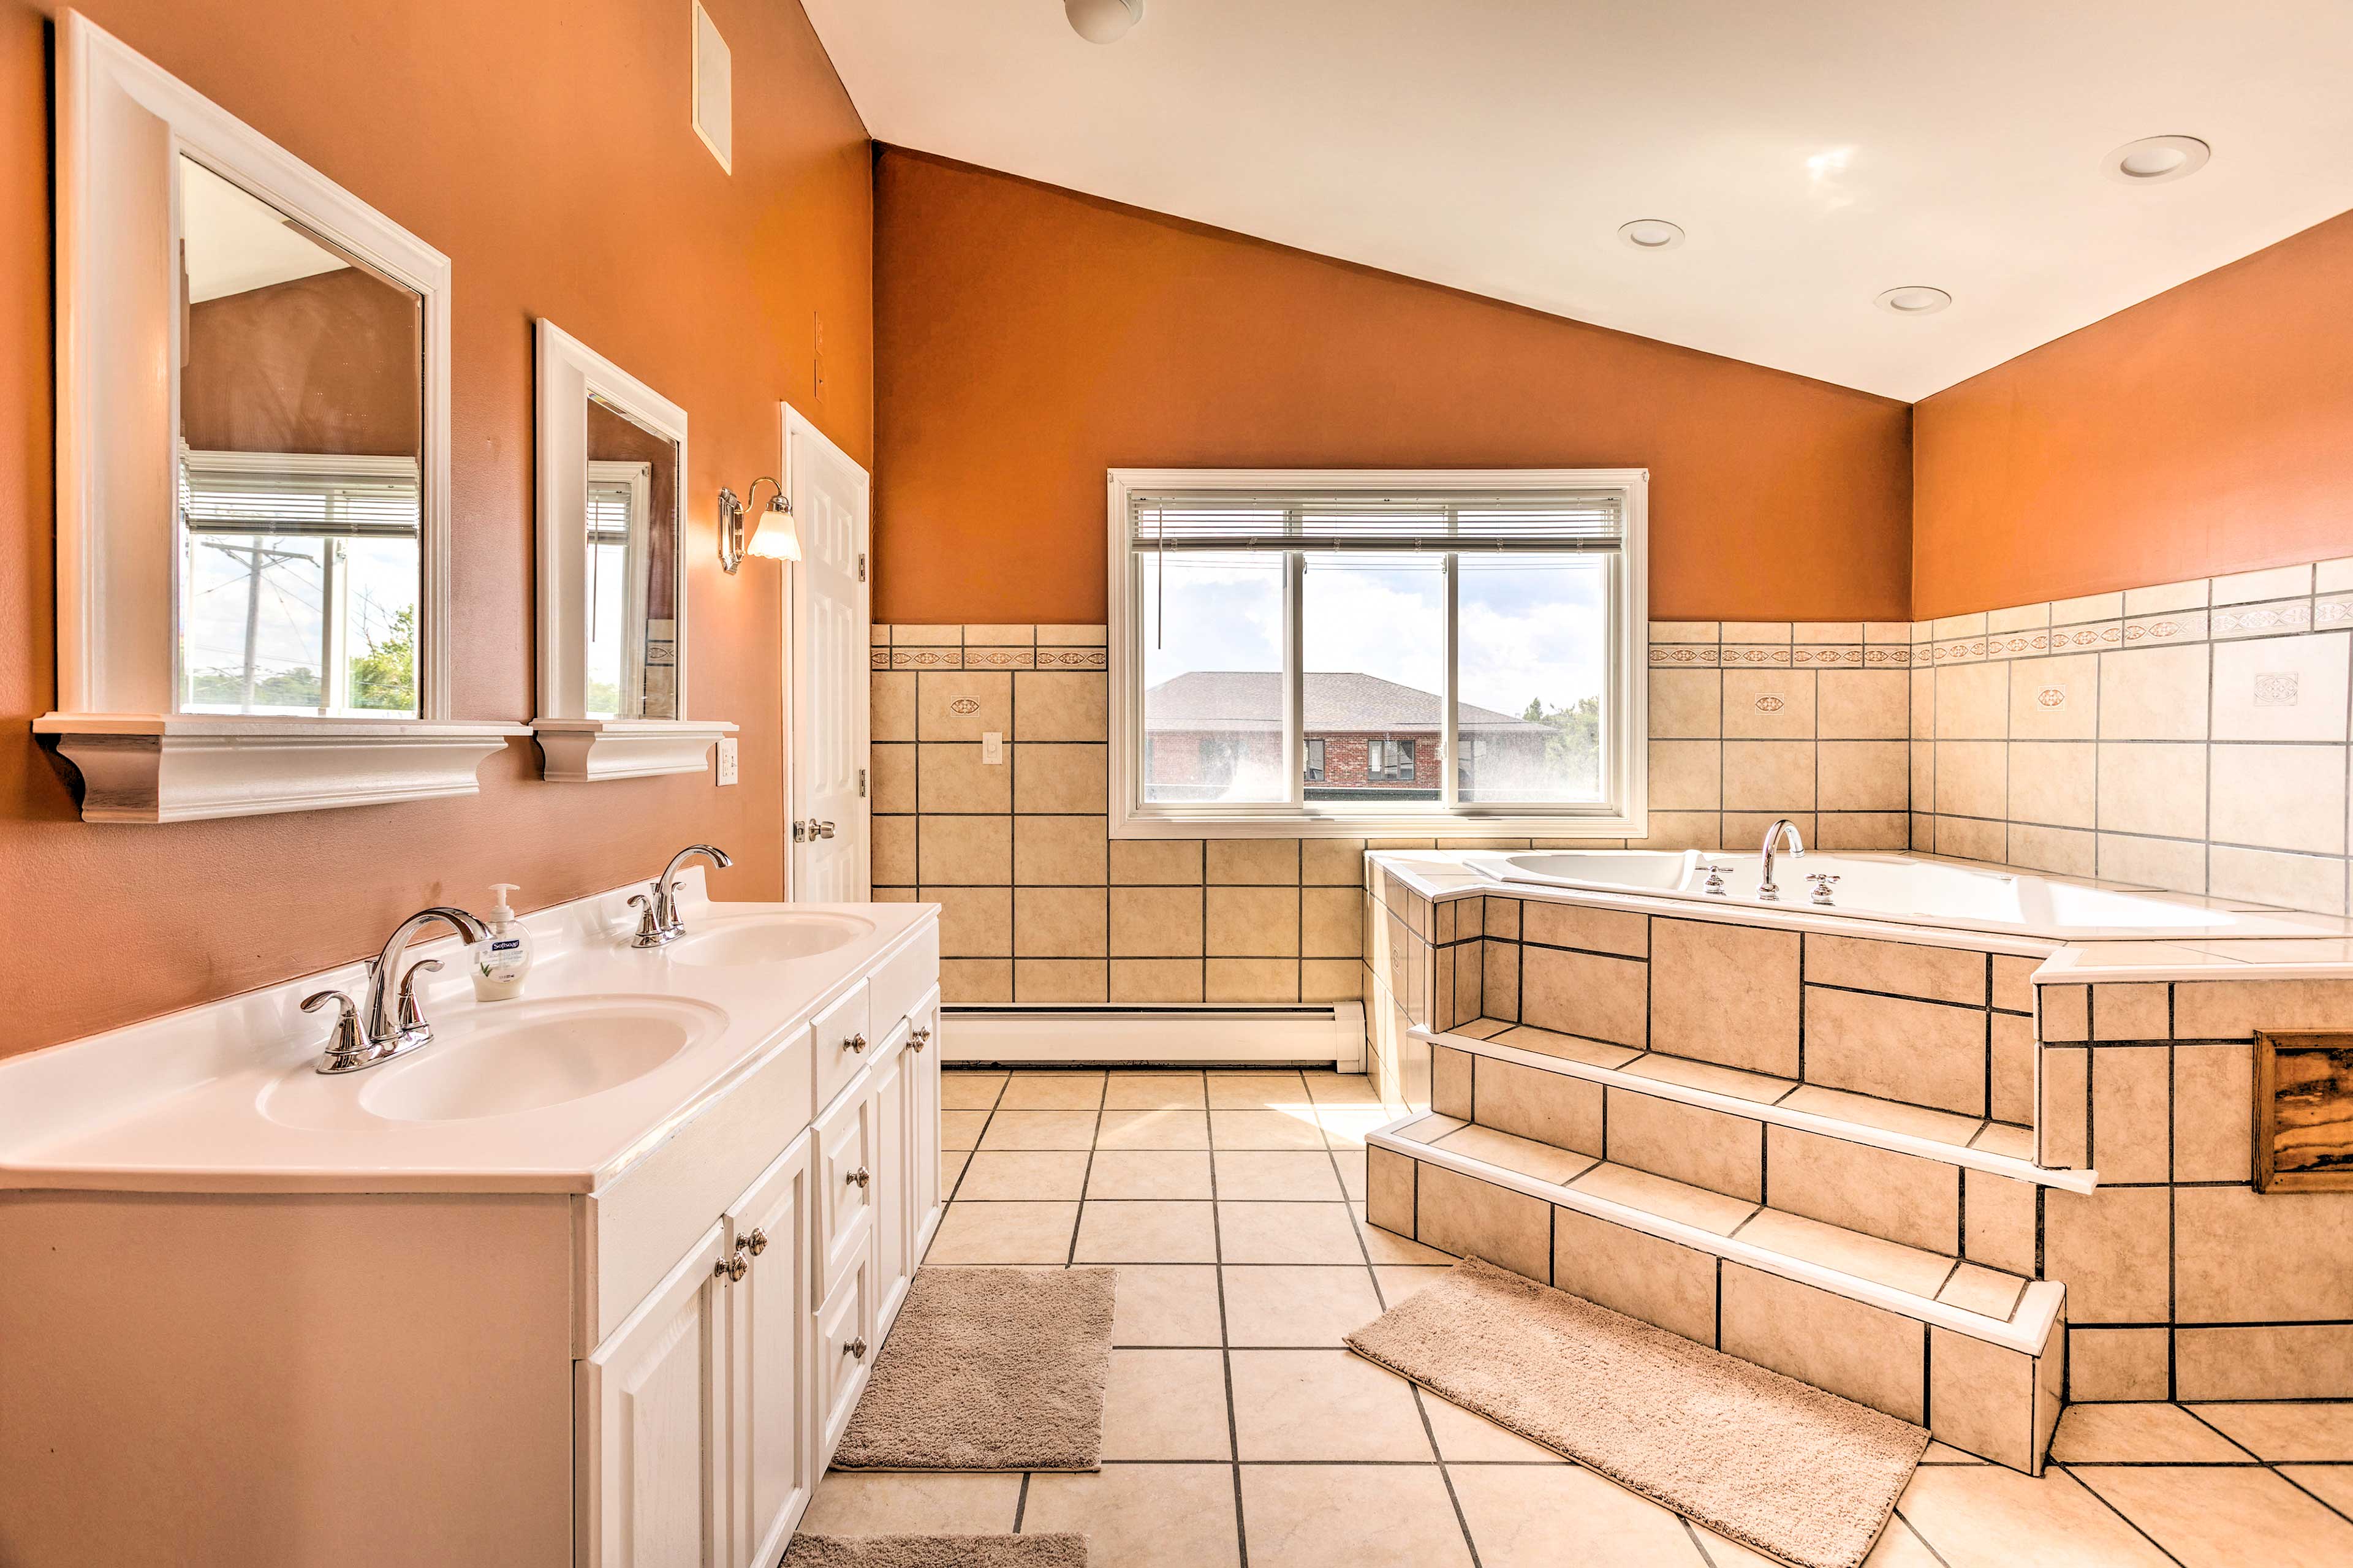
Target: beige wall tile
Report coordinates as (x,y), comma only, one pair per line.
(1071,637)
(2275,877)
(894,851)
(1742,829)
(1972,778)
(1768,704)
(1329,922)
(2280,797)
(976,980)
(2054,698)
(1058,922)
(1923,704)
(1999,1222)
(2213,1113)
(1059,778)
(1881,1193)
(2013,1070)
(1254,922)
(2112,1248)
(2130,1012)
(1331,980)
(1389,1190)
(1682,830)
(1251,980)
(2240,1256)
(1972,703)
(2051,781)
(1688,1144)
(1870,1356)
(1981,1398)
(1967,838)
(891,705)
(1579,994)
(894,777)
(966,851)
(1549,1107)
(1863,705)
(2235,1009)
(2153,789)
(2272,583)
(1861,830)
(1650,1279)
(941,696)
(1060,705)
(1155,979)
(1686,775)
(2063,1099)
(1864,776)
(2109,1365)
(1500,980)
(952,778)
(1687,704)
(2130,1096)
(2296,1362)
(1449,1082)
(2155,694)
(1768,775)
(1157,922)
(2280,689)
(1904,969)
(2013,987)
(1060,851)
(974,922)
(1156,860)
(1332,862)
(2062,851)
(1580,926)
(1923,1053)
(1723,993)
(1271,862)
(1512,1230)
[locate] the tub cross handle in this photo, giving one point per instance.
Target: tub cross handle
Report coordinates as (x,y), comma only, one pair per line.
(1714,883)
(1823,882)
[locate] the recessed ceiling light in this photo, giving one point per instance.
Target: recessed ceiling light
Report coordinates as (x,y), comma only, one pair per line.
(1103,21)
(1651,234)
(1914,300)
(2153,159)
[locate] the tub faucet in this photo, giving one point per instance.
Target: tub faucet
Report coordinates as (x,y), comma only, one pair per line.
(389,1024)
(661,922)
(1781,824)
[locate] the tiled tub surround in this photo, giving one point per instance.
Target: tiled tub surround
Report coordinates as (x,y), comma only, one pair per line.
(1675,1115)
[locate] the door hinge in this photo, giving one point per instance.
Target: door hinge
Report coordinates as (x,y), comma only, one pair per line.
(862,567)
(861,783)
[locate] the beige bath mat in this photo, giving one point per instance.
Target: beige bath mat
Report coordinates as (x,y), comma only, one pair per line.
(937,1551)
(1773,1463)
(989,1369)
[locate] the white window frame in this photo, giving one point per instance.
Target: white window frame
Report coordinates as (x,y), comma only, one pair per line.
(1622,813)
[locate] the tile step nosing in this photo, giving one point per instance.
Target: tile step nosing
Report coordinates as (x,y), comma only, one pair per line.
(2028,1330)
(2068,1179)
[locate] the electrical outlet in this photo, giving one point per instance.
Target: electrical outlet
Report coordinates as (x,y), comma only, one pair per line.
(726,760)
(992,747)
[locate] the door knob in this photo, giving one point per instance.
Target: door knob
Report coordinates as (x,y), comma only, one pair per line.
(856,1347)
(731,1270)
(758,1243)
(858,1177)
(921,1038)
(855,1043)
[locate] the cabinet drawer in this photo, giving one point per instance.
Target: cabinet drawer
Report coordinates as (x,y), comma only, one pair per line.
(844,1354)
(901,979)
(843,1036)
(849,1180)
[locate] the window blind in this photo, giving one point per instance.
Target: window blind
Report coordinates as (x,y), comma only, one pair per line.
(1512,521)
(242,493)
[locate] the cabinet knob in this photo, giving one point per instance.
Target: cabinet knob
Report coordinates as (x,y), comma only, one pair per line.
(758,1242)
(731,1270)
(922,1037)
(858,1177)
(856,1347)
(855,1043)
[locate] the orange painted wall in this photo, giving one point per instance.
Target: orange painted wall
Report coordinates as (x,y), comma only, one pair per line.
(544,145)
(1034,337)
(2207,430)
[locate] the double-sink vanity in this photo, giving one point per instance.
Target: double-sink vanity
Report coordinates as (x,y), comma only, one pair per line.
(593,1275)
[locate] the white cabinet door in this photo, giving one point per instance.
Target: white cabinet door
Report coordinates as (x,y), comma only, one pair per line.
(653,1398)
(845,1352)
(846,1166)
(923,1119)
(894,1266)
(769,1309)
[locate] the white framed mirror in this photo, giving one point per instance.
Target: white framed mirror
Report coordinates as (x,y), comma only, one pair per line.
(253,546)
(612,572)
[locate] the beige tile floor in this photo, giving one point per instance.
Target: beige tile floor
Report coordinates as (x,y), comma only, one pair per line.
(1238,1432)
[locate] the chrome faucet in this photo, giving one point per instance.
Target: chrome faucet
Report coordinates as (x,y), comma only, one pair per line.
(1773,834)
(659,923)
(389,1024)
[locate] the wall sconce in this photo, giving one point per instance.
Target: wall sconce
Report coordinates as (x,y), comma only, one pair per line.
(771,538)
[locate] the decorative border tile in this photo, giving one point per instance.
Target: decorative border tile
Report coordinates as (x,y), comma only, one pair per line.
(2276,617)
(2180,625)
(1692,655)
(1827,655)
(999,658)
(1755,655)
(927,659)
(1074,658)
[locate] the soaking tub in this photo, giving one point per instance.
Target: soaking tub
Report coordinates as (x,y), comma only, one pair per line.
(1911,890)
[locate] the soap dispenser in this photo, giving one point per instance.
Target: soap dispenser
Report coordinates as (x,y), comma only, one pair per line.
(502,958)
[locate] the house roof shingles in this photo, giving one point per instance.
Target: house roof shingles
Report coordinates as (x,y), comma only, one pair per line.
(1337,703)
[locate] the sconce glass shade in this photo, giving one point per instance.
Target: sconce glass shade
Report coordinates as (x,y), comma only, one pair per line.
(775,537)
(771,536)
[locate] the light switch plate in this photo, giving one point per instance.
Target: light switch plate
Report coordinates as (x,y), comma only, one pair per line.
(726,760)
(992,746)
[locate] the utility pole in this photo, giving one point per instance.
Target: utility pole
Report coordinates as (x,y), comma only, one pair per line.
(255,557)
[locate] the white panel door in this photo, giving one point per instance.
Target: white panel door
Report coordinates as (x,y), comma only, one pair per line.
(769,1309)
(829,673)
(657,1455)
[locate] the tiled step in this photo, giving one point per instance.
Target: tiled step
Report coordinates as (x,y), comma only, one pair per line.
(1974,1353)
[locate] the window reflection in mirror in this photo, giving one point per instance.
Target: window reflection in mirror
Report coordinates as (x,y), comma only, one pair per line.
(631,578)
(301,418)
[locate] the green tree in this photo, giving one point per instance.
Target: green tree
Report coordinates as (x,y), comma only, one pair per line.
(1574,749)
(386,676)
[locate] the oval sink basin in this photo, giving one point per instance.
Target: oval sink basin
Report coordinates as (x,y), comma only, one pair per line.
(503,1059)
(766,939)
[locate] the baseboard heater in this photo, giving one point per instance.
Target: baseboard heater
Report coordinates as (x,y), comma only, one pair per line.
(1331,1035)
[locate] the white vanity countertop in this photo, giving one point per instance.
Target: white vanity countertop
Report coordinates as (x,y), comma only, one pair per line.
(223,1097)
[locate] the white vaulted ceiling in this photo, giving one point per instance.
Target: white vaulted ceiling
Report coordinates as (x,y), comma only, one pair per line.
(1816,152)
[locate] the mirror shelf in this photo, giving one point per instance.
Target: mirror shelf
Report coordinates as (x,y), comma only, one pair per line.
(590,751)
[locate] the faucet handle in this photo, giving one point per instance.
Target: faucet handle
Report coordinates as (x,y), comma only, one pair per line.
(409,1017)
(343,1043)
(1715,875)
(649,926)
(1823,882)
